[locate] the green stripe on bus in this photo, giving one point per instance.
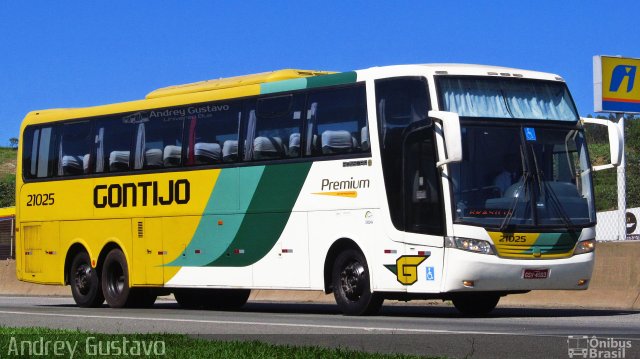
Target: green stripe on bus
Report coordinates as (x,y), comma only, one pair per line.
(267,215)
(212,239)
(308,82)
(281,86)
(553,243)
(332,80)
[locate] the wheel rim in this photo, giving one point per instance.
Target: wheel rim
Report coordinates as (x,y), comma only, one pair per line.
(83,278)
(115,280)
(353,279)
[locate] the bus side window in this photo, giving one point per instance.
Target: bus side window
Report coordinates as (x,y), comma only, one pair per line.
(273,129)
(113,140)
(38,152)
(158,141)
(400,102)
(75,149)
(213,134)
(337,121)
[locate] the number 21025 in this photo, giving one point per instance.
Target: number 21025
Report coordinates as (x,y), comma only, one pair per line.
(40,199)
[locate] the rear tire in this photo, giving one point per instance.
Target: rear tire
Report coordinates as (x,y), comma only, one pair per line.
(224,299)
(475,303)
(85,282)
(115,280)
(351,285)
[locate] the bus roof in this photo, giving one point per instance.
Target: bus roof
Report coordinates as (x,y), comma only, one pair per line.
(249,85)
(222,83)
(466,70)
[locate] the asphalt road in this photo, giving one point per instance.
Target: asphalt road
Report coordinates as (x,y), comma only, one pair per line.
(411,329)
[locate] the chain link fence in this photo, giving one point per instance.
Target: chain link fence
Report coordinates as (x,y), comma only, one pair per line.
(617,220)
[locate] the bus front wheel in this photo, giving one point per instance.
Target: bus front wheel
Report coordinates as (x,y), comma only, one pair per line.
(85,282)
(475,303)
(351,285)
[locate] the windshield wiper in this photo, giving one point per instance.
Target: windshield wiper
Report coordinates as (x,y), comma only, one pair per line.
(563,214)
(552,194)
(512,208)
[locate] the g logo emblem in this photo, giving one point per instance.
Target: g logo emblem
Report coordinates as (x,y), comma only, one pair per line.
(406,268)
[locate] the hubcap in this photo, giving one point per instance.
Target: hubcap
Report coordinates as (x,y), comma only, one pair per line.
(83,279)
(352,279)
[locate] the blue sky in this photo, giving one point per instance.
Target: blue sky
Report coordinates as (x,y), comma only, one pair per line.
(83,53)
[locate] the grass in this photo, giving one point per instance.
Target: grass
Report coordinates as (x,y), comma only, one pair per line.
(90,345)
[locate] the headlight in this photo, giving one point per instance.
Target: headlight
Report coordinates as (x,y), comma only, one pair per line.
(585,246)
(469,244)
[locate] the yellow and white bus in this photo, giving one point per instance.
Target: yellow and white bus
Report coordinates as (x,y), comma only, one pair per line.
(459,182)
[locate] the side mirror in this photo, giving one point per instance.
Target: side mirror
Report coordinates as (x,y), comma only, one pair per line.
(616,141)
(452,135)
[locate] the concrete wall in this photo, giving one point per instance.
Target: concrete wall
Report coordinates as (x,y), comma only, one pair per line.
(615,284)
(9,285)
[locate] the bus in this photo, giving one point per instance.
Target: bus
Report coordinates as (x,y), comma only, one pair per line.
(456,182)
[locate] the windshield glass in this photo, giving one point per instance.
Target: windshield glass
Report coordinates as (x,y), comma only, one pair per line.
(521,176)
(507,98)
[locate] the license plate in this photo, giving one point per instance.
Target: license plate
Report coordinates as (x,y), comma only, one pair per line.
(535,274)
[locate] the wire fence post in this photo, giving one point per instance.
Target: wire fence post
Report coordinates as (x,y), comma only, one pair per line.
(622,187)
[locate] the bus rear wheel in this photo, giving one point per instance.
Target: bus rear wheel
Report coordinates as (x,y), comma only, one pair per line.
(475,303)
(351,285)
(85,282)
(225,299)
(115,284)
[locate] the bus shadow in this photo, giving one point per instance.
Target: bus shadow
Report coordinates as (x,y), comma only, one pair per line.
(435,311)
(393,310)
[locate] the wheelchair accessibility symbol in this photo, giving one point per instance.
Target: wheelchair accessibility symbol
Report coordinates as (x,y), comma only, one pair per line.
(431,273)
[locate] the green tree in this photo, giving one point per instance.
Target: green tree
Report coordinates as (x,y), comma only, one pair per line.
(8,191)
(605,182)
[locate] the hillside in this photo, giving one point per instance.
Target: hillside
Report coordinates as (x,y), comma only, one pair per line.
(7,176)
(7,161)
(605,182)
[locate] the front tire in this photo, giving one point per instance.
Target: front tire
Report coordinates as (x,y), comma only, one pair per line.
(351,285)
(85,282)
(475,303)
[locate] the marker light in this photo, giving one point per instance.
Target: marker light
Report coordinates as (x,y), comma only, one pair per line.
(585,246)
(582,282)
(468,283)
(469,244)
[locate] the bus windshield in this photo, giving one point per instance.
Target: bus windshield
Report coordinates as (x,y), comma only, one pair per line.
(507,98)
(508,179)
(518,174)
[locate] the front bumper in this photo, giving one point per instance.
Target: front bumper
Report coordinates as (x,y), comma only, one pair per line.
(492,273)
